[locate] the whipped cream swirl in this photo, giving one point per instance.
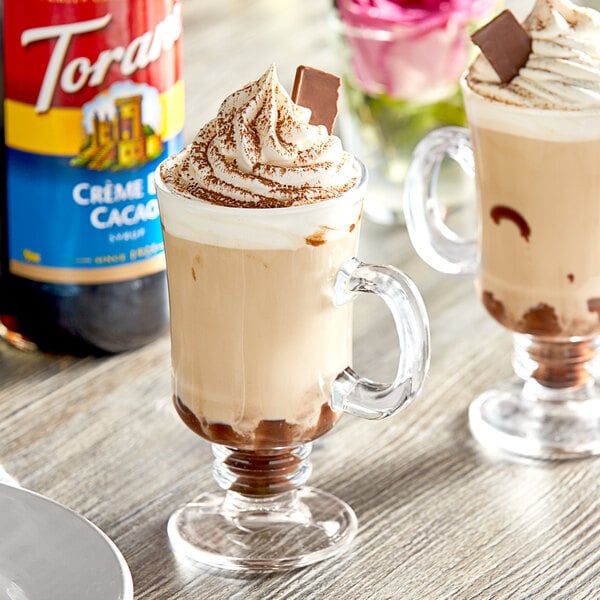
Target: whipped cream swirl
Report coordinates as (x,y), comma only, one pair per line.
(261,152)
(563,70)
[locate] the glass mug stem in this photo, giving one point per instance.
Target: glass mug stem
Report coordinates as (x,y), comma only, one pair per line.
(261,473)
(555,413)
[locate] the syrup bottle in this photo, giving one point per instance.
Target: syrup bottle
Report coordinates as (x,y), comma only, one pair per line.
(93,102)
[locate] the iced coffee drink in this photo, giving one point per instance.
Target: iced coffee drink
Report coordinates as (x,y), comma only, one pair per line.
(533,105)
(537,154)
(256,338)
(261,215)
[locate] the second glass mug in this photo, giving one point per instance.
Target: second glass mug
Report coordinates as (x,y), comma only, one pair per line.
(536,260)
(261,332)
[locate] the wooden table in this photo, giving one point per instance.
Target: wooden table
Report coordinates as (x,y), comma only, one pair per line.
(439,517)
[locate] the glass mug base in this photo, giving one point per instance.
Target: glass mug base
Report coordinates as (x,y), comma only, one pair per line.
(286,531)
(551,425)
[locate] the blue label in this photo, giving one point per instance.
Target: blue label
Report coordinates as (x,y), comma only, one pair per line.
(65,217)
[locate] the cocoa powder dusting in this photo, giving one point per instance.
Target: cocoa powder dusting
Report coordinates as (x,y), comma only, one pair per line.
(211,169)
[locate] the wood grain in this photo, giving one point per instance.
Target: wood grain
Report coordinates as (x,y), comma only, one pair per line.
(439,517)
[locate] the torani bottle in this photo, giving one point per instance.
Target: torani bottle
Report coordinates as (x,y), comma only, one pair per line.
(93,102)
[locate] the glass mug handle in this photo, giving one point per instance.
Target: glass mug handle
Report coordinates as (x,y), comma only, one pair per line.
(363,397)
(437,244)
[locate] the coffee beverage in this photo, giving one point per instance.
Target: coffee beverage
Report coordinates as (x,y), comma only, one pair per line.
(260,217)
(253,250)
(536,143)
(256,338)
(534,148)
(539,218)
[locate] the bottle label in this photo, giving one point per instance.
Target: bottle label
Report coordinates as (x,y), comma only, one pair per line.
(93,103)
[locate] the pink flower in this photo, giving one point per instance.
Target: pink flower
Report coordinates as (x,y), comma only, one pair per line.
(409,48)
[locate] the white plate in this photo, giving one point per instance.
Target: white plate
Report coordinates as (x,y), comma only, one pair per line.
(48,552)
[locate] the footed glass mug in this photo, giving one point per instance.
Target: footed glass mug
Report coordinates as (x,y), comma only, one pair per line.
(537,263)
(261,331)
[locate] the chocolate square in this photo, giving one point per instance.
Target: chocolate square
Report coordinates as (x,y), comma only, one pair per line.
(318,91)
(505,43)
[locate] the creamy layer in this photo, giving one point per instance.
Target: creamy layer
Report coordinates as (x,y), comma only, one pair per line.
(261,151)
(260,228)
(563,70)
(536,123)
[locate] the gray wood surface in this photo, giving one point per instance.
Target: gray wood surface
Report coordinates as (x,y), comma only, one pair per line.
(439,517)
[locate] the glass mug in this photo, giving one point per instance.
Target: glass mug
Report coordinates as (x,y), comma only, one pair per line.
(536,261)
(261,336)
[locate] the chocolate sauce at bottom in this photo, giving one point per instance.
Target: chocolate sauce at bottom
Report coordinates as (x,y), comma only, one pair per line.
(261,463)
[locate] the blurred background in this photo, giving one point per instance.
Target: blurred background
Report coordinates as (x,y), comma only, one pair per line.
(396,86)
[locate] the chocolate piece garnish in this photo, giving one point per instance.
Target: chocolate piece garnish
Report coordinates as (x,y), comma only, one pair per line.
(500,212)
(318,91)
(505,43)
